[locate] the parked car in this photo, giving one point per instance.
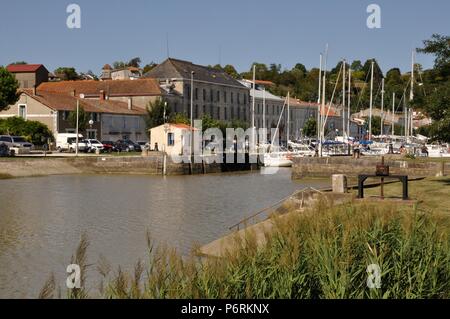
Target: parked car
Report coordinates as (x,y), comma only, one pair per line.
(82,146)
(18,142)
(93,146)
(109,146)
(127,146)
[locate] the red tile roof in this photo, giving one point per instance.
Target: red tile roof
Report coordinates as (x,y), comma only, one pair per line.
(23,68)
(62,102)
(143,87)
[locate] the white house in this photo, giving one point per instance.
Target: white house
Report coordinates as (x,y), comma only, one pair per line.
(171,138)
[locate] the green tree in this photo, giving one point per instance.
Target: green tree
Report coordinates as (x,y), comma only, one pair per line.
(83,119)
(19,63)
(135,62)
(69,74)
(149,67)
(8,89)
(356,65)
(156,111)
(33,131)
(310,127)
(230,70)
(439,46)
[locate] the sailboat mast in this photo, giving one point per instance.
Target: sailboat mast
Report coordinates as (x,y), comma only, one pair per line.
(382,106)
(371,102)
(393,113)
(322,133)
(411,95)
(343,101)
(319,98)
(349,100)
(253,106)
(264,115)
(288,119)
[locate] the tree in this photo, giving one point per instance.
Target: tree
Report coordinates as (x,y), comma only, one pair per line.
(33,131)
(156,111)
(19,63)
(69,74)
(231,71)
(310,127)
(439,46)
(356,65)
(8,89)
(119,65)
(135,62)
(83,119)
(149,67)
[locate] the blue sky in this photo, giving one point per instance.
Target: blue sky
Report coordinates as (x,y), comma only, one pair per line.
(283,31)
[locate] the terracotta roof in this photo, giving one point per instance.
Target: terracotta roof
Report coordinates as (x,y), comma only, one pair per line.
(62,102)
(182,126)
(142,87)
(261,82)
(23,68)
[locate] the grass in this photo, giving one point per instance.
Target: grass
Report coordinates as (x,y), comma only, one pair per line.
(321,253)
(432,194)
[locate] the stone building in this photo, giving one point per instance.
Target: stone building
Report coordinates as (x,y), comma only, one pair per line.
(216,93)
(29,75)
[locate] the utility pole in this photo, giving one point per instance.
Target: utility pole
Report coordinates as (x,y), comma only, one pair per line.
(192,121)
(77,127)
(343,101)
(382,106)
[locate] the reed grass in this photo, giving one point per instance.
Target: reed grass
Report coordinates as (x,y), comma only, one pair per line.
(322,252)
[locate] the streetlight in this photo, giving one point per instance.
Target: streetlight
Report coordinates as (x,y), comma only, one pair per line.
(192,118)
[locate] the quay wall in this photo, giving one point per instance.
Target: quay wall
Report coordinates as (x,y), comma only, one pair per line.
(143,165)
(327,166)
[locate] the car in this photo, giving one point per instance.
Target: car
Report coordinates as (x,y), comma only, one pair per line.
(93,146)
(108,146)
(127,146)
(19,142)
(72,145)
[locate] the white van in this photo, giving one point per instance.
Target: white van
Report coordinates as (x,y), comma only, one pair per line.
(67,142)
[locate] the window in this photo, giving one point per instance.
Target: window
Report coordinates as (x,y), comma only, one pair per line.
(238,98)
(204,110)
(225,113)
(273,109)
(232,112)
(196,111)
(23,111)
(245,98)
(196,93)
(211,111)
(171,139)
(204,95)
(188,91)
(225,96)
(232,97)
(218,96)
(65,115)
(211,95)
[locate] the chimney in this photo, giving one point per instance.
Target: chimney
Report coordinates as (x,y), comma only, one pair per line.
(102,95)
(130,103)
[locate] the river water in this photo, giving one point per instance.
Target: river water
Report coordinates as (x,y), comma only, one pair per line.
(42,218)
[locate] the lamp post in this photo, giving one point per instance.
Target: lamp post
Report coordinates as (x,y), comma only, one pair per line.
(192,119)
(166,130)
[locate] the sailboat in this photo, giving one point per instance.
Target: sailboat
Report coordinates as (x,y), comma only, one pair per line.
(276,156)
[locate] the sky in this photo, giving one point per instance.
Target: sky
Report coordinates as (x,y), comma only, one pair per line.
(237,32)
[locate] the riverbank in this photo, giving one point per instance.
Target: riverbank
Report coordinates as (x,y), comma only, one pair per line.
(152,164)
(327,166)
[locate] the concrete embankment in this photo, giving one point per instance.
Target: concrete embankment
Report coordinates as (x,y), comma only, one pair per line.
(148,165)
(327,166)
